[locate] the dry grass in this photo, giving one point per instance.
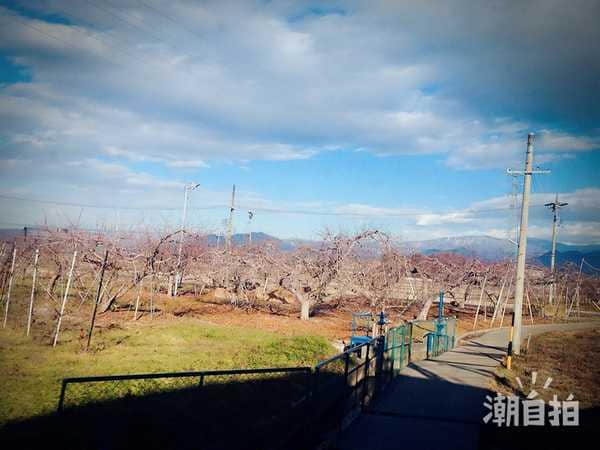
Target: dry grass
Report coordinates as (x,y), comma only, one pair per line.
(572,359)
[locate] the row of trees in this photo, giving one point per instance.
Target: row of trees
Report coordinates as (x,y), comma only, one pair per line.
(340,267)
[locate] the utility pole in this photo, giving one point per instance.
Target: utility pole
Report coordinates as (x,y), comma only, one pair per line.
(250,217)
(230,223)
(554,206)
(186,189)
(515,345)
(513,206)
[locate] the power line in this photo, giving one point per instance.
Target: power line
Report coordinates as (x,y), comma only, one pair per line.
(589,265)
(123,48)
(162,14)
(254,208)
(29,25)
(131,24)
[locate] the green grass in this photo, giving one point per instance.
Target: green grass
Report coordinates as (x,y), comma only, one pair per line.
(31,372)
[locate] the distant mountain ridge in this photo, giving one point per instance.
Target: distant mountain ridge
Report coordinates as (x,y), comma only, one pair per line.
(486,248)
(574,257)
(489,248)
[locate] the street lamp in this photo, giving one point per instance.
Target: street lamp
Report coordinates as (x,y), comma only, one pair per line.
(186,189)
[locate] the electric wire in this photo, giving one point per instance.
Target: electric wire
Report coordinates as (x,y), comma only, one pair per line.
(255,208)
(164,15)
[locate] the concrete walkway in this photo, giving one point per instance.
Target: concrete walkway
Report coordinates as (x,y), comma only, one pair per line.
(438,403)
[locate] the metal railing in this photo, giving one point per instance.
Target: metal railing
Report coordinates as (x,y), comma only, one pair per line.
(323,398)
(421,328)
(149,383)
(346,383)
(443,338)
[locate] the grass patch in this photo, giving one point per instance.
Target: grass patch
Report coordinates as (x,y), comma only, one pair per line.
(31,372)
(572,359)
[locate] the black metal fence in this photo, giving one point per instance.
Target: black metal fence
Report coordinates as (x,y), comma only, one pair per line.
(302,401)
(245,409)
(104,388)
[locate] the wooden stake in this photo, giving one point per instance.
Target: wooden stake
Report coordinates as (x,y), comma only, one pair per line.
(571,305)
(10,278)
(35,266)
(64,302)
(499,302)
(504,309)
(578,307)
(506,301)
(529,305)
(137,302)
(152,285)
(97,301)
(577,291)
(479,304)
(559,297)
(485,309)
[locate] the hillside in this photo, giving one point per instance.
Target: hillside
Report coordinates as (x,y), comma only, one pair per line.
(493,249)
(573,257)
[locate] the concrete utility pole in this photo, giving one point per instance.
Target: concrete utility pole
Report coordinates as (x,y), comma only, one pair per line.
(250,217)
(230,223)
(522,252)
(186,189)
(513,206)
(554,206)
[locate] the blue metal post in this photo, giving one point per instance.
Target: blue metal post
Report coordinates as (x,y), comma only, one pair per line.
(382,321)
(440,322)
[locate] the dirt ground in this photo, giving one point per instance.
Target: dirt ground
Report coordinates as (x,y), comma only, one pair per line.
(571,359)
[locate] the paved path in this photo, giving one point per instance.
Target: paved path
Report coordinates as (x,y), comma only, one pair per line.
(438,404)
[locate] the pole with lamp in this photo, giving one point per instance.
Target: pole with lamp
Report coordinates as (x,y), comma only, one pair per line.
(186,189)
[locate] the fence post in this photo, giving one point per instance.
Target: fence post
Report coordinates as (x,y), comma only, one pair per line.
(379,362)
(410,341)
(402,345)
(365,377)
(453,331)
(61,399)
(315,382)
(346,367)
(393,332)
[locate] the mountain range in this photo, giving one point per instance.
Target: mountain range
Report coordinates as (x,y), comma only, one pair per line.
(486,248)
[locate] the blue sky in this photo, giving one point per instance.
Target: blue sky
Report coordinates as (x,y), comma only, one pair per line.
(398,115)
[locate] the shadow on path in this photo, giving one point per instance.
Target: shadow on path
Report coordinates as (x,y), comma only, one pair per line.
(420,412)
(439,404)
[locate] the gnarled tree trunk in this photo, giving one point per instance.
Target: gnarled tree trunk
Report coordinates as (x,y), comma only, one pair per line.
(304,304)
(426,306)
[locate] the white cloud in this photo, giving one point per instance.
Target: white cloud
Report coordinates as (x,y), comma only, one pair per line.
(187,164)
(235,82)
(441,219)
(570,233)
(357,80)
